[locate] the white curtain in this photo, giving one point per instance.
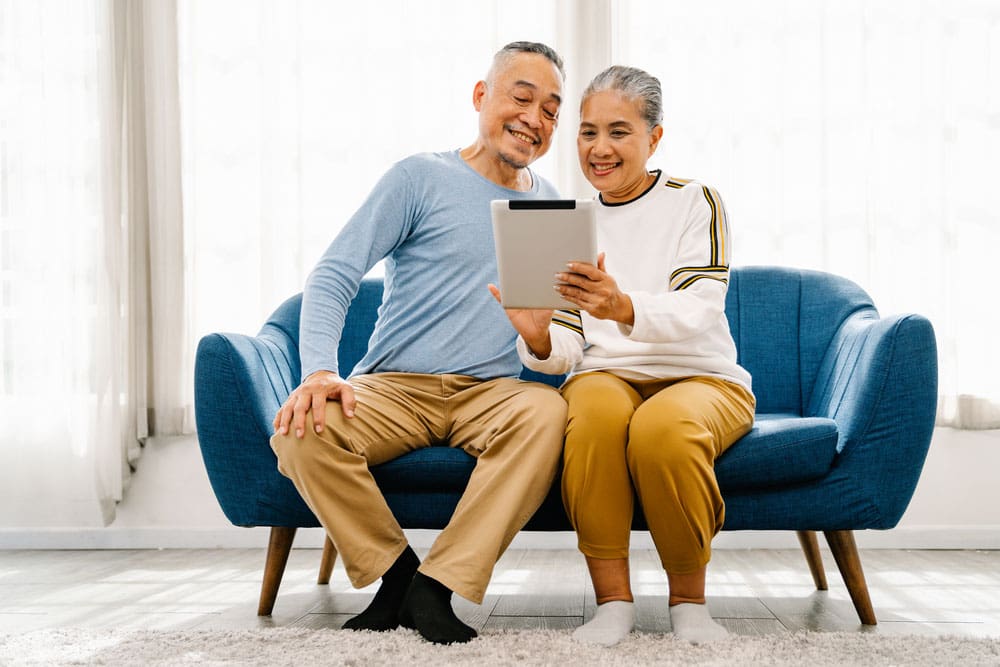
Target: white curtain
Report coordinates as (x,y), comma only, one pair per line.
(293,110)
(857,137)
(161,300)
(80,252)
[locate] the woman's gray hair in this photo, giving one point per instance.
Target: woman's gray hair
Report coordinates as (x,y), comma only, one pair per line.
(635,84)
(503,57)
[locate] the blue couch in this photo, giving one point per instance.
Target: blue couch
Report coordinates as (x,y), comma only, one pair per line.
(846,403)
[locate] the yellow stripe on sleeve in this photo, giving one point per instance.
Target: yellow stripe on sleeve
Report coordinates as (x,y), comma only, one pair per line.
(570,319)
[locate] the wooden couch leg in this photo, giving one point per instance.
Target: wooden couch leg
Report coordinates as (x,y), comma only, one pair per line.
(326,565)
(278,548)
(845,552)
(810,547)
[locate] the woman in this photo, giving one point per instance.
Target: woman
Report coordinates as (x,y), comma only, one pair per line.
(655,394)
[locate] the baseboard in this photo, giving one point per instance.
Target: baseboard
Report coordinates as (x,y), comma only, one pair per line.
(231,537)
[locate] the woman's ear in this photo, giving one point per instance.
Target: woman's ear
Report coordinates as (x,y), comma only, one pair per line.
(654,138)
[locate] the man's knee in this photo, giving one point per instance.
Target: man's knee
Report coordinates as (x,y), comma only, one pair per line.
(539,404)
(532,424)
(290,450)
(296,453)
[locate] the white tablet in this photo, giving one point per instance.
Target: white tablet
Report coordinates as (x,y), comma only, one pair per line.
(534,239)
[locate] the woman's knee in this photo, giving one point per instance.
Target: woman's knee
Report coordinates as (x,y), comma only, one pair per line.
(600,407)
(671,443)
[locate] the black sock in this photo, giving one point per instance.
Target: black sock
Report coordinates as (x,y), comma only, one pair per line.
(427,609)
(383,612)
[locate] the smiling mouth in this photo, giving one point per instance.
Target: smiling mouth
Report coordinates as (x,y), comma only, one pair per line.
(603,168)
(523,137)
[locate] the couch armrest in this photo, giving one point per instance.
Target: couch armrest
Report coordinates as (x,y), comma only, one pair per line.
(239,383)
(878,382)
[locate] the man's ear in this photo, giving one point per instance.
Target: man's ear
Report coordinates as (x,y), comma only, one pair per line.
(478,93)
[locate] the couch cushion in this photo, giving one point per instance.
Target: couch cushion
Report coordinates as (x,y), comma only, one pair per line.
(781,449)
(433,469)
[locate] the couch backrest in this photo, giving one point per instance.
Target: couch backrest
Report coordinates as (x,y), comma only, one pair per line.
(782,320)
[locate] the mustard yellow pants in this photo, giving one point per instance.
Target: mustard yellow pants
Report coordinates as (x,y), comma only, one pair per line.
(513,428)
(656,440)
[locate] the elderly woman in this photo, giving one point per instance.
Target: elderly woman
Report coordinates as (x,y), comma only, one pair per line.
(654,391)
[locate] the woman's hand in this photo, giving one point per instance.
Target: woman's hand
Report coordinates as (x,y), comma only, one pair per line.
(532,324)
(595,291)
(313,394)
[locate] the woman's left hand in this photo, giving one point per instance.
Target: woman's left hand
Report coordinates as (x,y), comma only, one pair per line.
(594,290)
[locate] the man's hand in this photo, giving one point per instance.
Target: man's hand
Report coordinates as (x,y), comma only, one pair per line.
(313,394)
(532,324)
(595,291)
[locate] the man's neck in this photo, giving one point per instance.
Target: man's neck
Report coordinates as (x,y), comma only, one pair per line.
(496,170)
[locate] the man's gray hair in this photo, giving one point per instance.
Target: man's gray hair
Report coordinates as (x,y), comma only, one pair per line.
(503,57)
(635,84)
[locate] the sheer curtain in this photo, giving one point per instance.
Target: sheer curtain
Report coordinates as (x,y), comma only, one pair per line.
(80,251)
(292,111)
(856,137)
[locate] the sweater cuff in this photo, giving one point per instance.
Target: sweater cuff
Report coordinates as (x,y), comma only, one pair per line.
(551,366)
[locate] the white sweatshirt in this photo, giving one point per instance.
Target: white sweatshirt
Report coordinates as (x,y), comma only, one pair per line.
(669,250)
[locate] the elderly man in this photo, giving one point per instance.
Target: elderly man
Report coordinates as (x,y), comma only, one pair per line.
(441,368)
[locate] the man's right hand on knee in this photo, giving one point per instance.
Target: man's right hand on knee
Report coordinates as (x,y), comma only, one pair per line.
(312,394)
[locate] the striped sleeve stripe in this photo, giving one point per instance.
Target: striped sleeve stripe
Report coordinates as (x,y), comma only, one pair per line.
(677,183)
(717,231)
(686,275)
(569,319)
(691,280)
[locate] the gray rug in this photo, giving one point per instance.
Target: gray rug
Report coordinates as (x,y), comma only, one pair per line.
(303,647)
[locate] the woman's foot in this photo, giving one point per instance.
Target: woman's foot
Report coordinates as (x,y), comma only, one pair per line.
(612,623)
(693,623)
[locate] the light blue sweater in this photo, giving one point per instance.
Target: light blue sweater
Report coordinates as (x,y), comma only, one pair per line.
(429,217)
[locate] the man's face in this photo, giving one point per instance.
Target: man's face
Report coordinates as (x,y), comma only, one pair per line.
(518,112)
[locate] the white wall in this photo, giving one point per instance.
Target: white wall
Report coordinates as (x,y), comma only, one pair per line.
(170,505)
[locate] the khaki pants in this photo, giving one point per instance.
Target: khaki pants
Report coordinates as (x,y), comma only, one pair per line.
(657,440)
(513,428)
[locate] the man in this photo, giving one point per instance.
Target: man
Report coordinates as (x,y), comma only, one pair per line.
(441,365)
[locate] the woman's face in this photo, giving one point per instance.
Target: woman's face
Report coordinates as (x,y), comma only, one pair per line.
(614,144)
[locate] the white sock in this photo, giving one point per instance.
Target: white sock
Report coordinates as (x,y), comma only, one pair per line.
(693,623)
(612,622)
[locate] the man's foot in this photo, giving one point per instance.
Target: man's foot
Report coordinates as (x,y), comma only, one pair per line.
(427,609)
(383,612)
(612,622)
(693,623)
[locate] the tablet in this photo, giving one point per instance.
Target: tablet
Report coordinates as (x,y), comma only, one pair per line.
(534,239)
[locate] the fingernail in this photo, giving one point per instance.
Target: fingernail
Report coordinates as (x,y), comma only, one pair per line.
(299,433)
(282,430)
(318,428)
(350,413)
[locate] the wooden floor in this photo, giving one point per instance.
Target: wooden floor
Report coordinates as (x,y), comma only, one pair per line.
(750,592)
